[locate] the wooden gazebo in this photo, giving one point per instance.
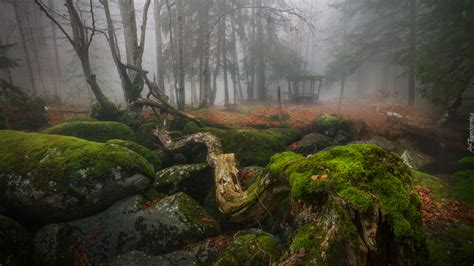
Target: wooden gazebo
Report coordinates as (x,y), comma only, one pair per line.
(302,88)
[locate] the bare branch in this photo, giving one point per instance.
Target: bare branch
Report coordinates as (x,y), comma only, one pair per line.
(43,9)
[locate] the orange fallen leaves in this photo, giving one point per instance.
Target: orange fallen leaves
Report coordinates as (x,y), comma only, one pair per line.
(444,211)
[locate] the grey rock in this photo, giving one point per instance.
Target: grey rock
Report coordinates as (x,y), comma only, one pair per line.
(128,225)
(196,180)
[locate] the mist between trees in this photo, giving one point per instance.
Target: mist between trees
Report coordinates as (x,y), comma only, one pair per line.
(208,52)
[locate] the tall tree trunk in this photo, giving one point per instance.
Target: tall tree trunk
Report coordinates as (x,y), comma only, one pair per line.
(181,89)
(205,84)
(34,45)
(212,97)
(133,46)
(56,54)
(260,78)
(21,29)
(129,24)
(235,59)
(194,98)
(412,54)
(222,34)
(160,69)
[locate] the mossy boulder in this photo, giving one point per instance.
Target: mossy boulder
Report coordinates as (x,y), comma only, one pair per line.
(352,203)
(48,178)
(4,121)
(99,131)
(252,247)
(148,154)
(153,227)
(340,128)
(144,135)
(194,179)
(251,146)
(312,143)
(14,243)
(379,141)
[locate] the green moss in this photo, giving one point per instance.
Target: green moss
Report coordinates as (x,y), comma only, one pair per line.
(361,200)
(464,186)
(307,237)
(152,157)
(3,121)
(451,245)
(467,160)
(356,173)
(440,189)
(62,160)
(100,131)
(144,135)
(251,249)
(251,146)
(330,125)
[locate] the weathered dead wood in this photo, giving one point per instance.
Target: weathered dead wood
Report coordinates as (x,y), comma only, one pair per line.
(238,205)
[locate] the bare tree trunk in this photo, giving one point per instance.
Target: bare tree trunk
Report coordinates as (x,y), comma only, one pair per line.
(343,84)
(412,54)
(160,69)
(205,72)
(222,34)
(37,59)
(181,89)
(129,25)
(194,98)
(235,59)
(212,97)
(21,29)
(134,47)
(260,78)
(56,55)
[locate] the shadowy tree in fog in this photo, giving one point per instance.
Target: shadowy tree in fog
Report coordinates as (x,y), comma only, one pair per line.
(131,74)
(19,17)
(81,39)
(445,52)
(382,29)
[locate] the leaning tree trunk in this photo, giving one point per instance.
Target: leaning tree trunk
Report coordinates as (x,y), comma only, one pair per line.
(238,205)
(21,29)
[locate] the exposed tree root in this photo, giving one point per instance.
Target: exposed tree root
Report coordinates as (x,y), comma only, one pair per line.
(237,205)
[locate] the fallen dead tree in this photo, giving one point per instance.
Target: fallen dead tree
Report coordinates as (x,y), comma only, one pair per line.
(238,205)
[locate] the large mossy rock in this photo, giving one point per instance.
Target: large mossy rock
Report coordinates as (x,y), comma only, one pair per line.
(253,247)
(46,178)
(341,129)
(352,204)
(196,180)
(99,131)
(148,154)
(155,228)
(312,143)
(14,243)
(144,135)
(251,146)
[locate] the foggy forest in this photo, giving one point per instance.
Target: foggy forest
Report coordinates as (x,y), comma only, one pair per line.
(236,132)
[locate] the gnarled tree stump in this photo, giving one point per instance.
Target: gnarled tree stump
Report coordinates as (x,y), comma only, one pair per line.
(238,205)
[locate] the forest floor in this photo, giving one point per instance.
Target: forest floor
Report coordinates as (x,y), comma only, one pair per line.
(449,221)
